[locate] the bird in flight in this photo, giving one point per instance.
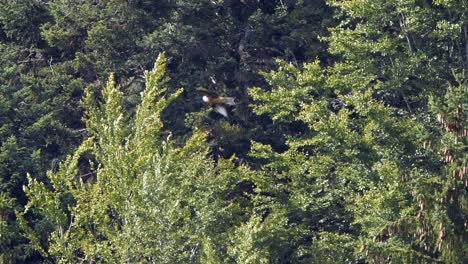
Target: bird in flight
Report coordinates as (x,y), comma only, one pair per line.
(217,102)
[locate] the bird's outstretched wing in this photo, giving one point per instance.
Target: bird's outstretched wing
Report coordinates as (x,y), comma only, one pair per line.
(222,110)
(227,100)
(222,100)
(206,92)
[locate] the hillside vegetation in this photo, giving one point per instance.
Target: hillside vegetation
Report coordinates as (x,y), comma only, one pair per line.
(347,143)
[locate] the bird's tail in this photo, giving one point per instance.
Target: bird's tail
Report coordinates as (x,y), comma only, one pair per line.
(229,100)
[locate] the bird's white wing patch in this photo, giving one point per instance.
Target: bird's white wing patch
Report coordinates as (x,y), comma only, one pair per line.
(221,110)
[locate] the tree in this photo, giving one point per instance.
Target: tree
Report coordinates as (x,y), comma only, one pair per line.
(403,63)
(354,152)
(368,123)
(137,187)
(51,50)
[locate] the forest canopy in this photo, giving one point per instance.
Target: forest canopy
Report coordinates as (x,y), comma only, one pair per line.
(342,136)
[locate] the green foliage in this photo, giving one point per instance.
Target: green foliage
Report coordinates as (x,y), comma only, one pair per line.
(141,190)
(402,68)
(368,159)
(20,21)
(291,90)
(51,50)
(349,148)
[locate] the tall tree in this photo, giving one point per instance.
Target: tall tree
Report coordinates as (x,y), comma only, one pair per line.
(129,194)
(52,50)
(387,168)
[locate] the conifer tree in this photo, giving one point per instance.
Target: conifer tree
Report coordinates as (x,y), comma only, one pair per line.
(128,194)
(393,183)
